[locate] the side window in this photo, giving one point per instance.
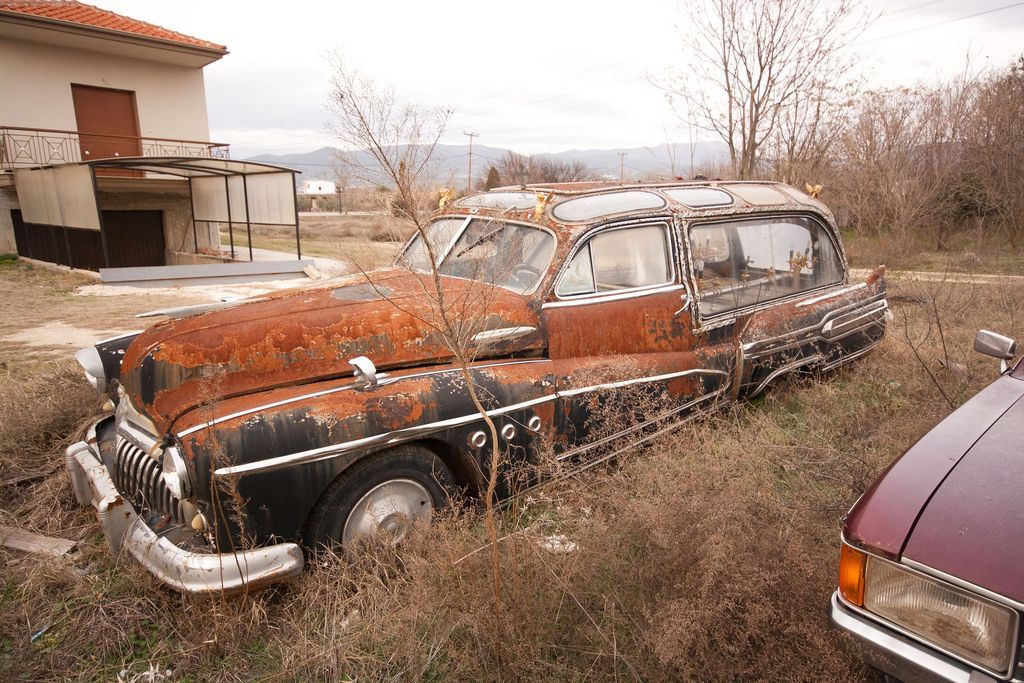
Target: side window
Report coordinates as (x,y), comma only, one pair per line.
(743,263)
(627,258)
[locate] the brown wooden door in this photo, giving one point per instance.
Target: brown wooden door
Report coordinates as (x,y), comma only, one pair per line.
(108,123)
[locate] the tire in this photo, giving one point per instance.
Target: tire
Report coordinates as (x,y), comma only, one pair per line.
(385,492)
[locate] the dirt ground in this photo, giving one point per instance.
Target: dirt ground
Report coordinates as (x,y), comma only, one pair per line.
(709,555)
(52,312)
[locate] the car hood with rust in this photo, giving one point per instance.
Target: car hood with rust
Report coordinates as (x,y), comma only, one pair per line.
(307,335)
(953,501)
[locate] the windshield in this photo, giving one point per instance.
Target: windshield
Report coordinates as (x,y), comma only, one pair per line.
(505,254)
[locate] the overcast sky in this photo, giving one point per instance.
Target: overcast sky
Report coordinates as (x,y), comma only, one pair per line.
(531,76)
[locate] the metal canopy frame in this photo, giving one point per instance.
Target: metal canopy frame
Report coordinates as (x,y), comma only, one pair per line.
(201,167)
(189,168)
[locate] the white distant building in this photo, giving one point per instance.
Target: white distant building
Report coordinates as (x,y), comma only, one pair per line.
(322,187)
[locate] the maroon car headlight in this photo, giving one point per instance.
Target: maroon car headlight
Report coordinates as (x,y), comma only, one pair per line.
(966,625)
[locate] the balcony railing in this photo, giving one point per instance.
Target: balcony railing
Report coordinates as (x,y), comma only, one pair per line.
(25,147)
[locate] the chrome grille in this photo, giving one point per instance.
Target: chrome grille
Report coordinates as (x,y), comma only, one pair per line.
(139,477)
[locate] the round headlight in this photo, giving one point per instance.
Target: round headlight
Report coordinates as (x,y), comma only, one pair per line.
(175,474)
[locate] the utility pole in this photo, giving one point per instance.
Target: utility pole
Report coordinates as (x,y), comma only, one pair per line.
(622,166)
(469,173)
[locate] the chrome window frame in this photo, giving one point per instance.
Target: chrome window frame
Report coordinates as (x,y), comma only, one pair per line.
(688,226)
(699,207)
(465,202)
(604,216)
(584,241)
(471,217)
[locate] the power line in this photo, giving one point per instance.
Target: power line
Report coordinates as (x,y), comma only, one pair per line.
(941,23)
(919,5)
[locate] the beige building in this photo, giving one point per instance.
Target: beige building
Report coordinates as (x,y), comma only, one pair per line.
(81,84)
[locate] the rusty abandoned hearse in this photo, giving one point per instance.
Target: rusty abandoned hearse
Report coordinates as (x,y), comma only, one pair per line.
(242,435)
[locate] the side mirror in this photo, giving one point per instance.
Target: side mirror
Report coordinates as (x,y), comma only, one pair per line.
(997,346)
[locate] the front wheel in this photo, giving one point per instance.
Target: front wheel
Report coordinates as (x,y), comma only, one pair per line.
(384,494)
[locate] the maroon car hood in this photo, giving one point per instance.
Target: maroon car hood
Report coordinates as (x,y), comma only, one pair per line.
(915,486)
(973,526)
(308,335)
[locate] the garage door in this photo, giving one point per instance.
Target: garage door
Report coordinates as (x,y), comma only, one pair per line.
(134,238)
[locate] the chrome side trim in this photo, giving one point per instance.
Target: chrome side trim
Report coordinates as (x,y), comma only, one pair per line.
(386,439)
(797,342)
(714,325)
(384,381)
(640,380)
(712,319)
(842,322)
(817,358)
(502,333)
(850,356)
(408,433)
(891,652)
(789,367)
(601,298)
(831,295)
(576,452)
(751,348)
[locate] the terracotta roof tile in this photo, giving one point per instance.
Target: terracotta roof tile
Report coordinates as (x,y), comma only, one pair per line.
(79,13)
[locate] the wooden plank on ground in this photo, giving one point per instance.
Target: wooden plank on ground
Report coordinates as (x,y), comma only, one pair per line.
(19,539)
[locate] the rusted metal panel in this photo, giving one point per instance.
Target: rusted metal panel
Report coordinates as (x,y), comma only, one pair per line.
(308,335)
(294,449)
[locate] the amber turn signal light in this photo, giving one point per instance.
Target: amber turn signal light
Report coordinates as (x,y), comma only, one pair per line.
(851,575)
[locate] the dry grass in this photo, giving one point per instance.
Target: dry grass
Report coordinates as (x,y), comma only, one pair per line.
(708,555)
(967,253)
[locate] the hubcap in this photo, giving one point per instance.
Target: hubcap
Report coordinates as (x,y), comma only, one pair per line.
(389,508)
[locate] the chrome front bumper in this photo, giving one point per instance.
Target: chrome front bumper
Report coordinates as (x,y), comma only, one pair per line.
(188,571)
(898,656)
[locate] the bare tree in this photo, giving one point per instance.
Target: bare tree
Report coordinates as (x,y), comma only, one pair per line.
(402,139)
(994,157)
(763,72)
(899,162)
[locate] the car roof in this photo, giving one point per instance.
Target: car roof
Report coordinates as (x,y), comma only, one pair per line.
(571,206)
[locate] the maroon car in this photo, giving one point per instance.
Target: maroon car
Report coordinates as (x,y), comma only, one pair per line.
(931,577)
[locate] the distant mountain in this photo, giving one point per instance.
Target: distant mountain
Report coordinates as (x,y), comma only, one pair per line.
(450,161)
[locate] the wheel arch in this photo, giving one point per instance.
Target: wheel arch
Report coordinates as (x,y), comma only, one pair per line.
(464,468)
(430,450)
